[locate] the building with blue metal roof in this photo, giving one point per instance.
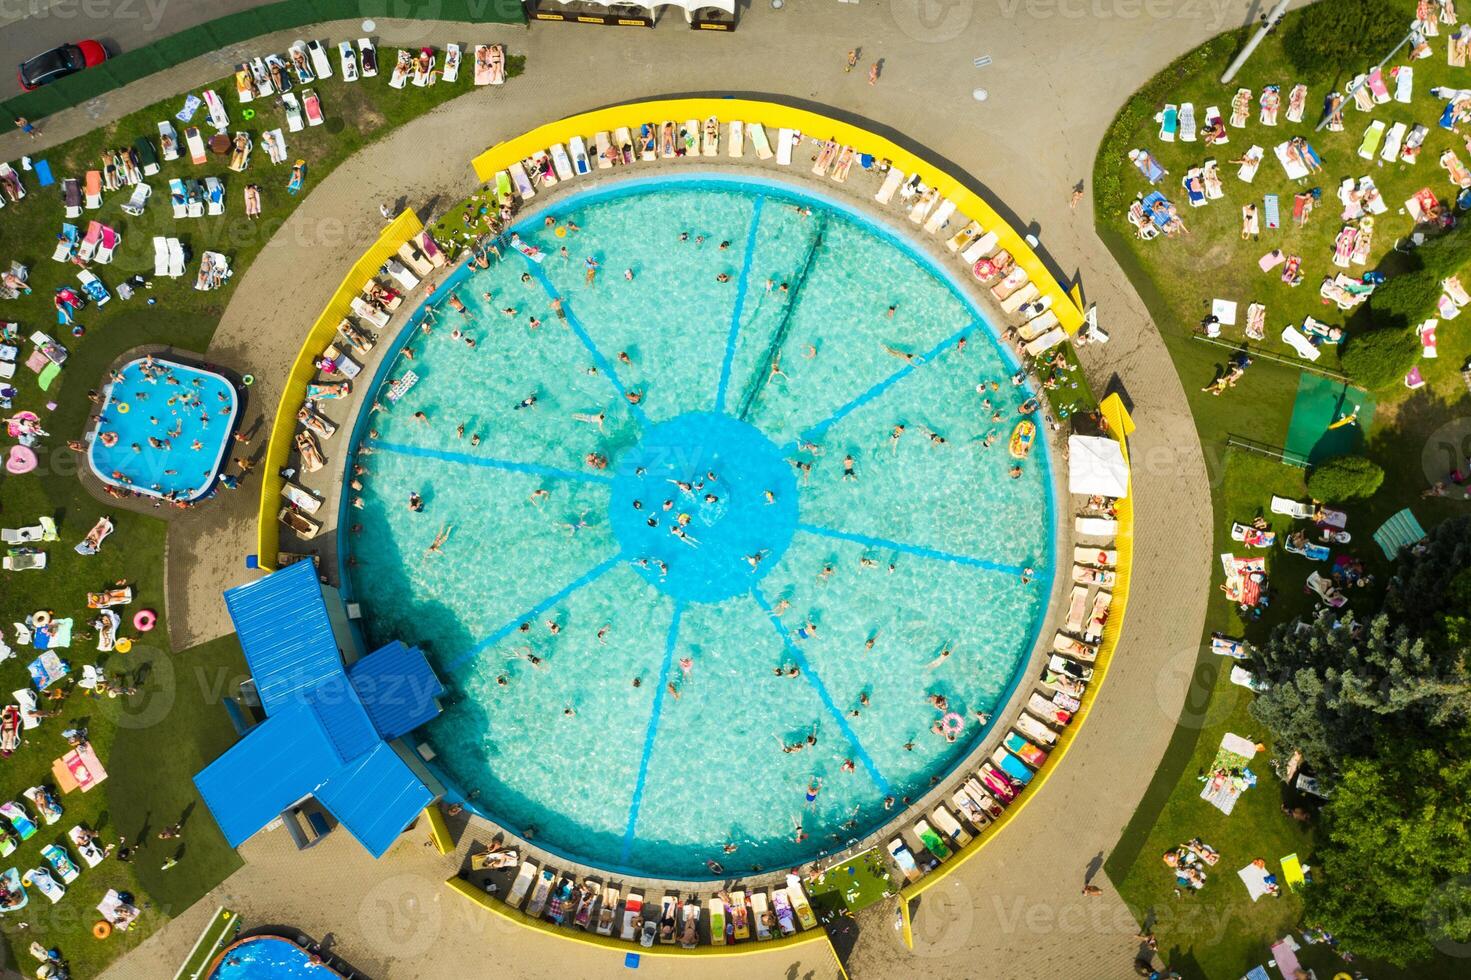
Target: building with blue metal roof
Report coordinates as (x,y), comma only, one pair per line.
(331,731)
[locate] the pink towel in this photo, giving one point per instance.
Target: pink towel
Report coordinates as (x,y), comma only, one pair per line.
(1271,260)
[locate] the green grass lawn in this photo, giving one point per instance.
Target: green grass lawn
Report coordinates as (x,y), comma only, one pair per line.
(1218,932)
(152,743)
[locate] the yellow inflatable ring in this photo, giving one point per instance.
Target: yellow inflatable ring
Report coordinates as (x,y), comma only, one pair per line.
(123,645)
(560,232)
(102,929)
(123,408)
(40,618)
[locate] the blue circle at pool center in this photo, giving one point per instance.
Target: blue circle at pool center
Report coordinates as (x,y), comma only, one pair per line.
(718,535)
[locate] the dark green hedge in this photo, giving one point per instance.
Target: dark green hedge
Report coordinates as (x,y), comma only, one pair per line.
(129,66)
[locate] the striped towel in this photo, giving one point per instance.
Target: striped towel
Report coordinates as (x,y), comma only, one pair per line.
(1274,219)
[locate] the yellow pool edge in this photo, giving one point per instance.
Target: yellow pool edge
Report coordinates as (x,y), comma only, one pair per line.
(303,370)
(775,116)
(1120,424)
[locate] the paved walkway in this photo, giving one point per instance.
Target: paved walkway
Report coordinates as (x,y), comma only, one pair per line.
(1053,86)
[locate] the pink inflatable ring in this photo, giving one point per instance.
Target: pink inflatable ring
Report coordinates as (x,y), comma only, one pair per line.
(144,620)
(21,460)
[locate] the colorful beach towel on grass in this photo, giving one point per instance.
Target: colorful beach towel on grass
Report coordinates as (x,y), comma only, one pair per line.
(191,106)
(1228,776)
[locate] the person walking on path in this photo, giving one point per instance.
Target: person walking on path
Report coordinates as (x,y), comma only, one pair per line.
(1077,195)
(852,60)
(387,211)
(27,127)
(873,74)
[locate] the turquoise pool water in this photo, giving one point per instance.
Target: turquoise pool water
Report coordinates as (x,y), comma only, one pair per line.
(169,425)
(267,958)
(642,600)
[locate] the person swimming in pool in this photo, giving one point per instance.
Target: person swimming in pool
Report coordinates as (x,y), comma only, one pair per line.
(416,502)
(848,472)
(458,306)
(813,788)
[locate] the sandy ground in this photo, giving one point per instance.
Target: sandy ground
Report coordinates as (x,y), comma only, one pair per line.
(1060,69)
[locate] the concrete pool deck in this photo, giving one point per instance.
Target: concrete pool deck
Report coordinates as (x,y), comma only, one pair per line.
(1052,93)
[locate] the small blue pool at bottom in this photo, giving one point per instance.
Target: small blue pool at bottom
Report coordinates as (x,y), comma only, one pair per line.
(267,958)
(165,429)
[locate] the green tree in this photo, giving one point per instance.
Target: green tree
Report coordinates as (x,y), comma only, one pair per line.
(1338,686)
(1380,356)
(1342,34)
(1344,478)
(1392,875)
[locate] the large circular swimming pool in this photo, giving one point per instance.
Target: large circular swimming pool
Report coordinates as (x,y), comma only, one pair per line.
(715,539)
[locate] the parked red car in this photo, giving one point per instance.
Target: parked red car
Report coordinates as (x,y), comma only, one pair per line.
(60,62)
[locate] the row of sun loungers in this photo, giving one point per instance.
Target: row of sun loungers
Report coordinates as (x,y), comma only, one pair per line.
(340,362)
(733,916)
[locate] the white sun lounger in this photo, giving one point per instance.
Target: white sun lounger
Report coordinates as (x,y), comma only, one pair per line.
(349,60)
(1038,325)
(1253,160)
(451,70)
(1046,342)
(785,141)
(964,238)
(759,907)
(168,141)
(522,182)
(1096,527)
(196,144)
(362,310)
(138,201)
(214,196)
(561,162)
(1295,339)
(293,112)
(160,256)
(923,205)
(981,248)
(603,145)
(891,183)
(1020,298)
(522,884)
(969,809)
(904,859)
(632,909)
(579,156)
(1098,616)
(91,854)
(623,144)
(1106,557)
(758,140)
(1187,122)
(607,911)
(538,900)
(735,145)
(1035,730)
(1071,646)
(1077,607)
(1296,169)
(950,827)
(940,217)
(176,258)
(1394,140)
(368,55)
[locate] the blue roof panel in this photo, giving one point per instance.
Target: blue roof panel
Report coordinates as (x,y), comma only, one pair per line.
(375,798)
(285,633)
(342,717)
(277,763)
(397,687)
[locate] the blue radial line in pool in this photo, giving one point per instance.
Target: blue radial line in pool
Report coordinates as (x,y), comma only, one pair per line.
(643,762)
(586,579)
(928,357)
(910,549)
(466,459)
(859,752)
(740,304)
(605,367)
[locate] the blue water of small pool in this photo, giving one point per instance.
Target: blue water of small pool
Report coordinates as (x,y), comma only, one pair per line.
(267,958)
(170,426)
(705,539)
